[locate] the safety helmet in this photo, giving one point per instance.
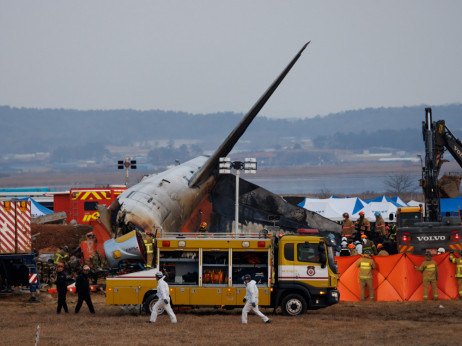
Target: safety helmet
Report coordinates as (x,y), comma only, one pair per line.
(379,246)
(203,224)
(60,265)
(351,246)
(377,214)
(361,213)
(344,239)
(441,250)
(387,228)
(363,236)
(85,267)
(345,215)
(159,275)
(357,242)
(247,277)
(367,252)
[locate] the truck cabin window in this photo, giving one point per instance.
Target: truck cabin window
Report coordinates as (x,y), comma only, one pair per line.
(289,251)
(307,252)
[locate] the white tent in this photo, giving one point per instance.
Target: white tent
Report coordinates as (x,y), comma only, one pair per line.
(399,201)
(334,207)
(384,205)
(321,207)
(36,209)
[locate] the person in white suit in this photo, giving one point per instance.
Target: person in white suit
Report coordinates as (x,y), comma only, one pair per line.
(251,300)
(164,300)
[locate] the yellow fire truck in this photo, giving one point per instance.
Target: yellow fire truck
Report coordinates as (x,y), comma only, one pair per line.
(295,272)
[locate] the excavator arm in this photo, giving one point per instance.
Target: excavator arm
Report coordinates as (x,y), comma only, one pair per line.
(437,138)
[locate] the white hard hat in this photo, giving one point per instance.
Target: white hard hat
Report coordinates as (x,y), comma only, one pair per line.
(441,250)
(344,238)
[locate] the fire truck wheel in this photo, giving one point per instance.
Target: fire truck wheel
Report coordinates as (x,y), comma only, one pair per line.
(149,304)
(293,305)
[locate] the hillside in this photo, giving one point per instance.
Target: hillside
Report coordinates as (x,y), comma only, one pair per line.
(57,137)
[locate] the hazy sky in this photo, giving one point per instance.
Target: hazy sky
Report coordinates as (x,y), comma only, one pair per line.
(208,56)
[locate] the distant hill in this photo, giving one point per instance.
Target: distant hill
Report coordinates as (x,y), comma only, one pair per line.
(26,130)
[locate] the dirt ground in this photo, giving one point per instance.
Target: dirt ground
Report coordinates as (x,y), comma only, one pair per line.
(49,238)
(380,323)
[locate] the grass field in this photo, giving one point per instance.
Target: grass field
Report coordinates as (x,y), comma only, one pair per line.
(380,323)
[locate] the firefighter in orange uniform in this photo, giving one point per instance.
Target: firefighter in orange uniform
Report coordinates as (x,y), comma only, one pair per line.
(366,265)
(458,262)
(430,275)
(348,227)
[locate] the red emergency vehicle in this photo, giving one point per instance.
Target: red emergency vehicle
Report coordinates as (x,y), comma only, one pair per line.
(80,204)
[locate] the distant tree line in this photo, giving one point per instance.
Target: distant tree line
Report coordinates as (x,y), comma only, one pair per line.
(71,135)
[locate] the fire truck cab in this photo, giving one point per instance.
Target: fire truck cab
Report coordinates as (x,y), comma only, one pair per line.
(80,204)
(294,272)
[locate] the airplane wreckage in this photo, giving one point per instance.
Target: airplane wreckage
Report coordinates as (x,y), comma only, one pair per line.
(181,198)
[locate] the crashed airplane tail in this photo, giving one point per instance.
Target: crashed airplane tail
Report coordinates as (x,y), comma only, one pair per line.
(180,198)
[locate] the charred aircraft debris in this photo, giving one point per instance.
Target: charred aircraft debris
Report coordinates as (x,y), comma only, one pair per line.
(181,198)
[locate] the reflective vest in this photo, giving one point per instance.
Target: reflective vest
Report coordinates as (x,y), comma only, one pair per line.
(365,268)
(458,262)
(430,270)
(60,258)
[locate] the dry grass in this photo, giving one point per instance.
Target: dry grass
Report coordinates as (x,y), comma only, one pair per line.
(346,323)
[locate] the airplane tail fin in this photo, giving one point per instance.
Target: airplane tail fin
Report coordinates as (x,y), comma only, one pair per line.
(226,147)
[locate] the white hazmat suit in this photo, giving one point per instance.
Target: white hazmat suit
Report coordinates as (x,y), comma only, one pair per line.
(251,295)
(164,296)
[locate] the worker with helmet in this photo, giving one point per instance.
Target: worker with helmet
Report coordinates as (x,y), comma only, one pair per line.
(148,240)
(348,227)
(458,262)
(251,300)
(368,245)
(366,265)
(359,247)
(163,294)
(61,287)
(380,227)
(203,227)
(362,225)
(82,285)
(381,250)
(353,251)
(344,244)
(62,256)
(430,275)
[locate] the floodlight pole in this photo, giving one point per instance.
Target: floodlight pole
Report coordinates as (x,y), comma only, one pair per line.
(249,166)
(126,163)
(236,211)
